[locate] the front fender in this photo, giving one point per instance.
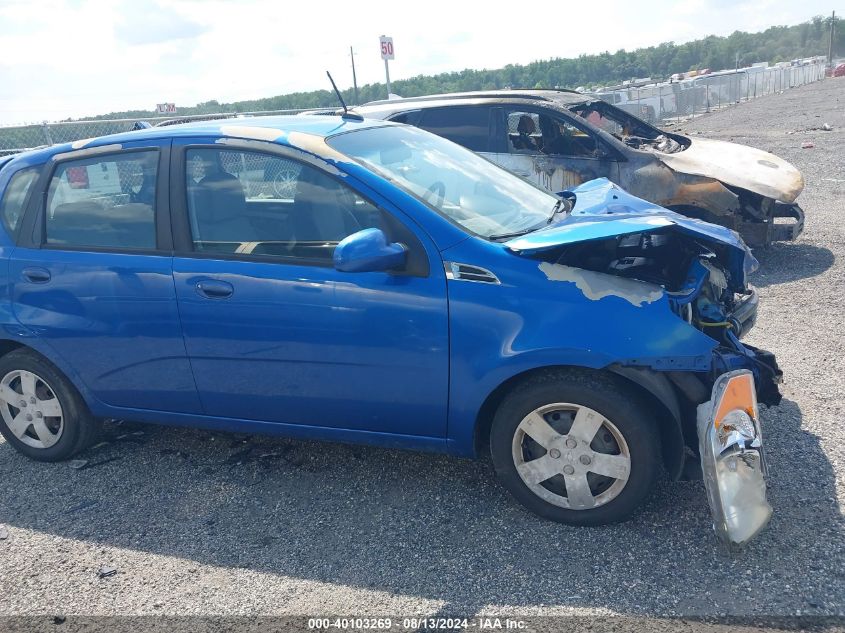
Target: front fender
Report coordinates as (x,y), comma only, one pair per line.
(535,319)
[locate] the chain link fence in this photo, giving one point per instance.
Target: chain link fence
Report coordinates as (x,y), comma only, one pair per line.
(14,139)
(679,100)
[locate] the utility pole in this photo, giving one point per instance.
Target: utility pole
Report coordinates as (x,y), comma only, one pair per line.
(830,46)
(736,67)
(354,78)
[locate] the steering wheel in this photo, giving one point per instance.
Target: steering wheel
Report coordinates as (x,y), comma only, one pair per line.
(436,188)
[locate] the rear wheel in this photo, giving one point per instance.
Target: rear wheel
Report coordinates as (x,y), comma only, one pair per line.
(576,447)
(41,413)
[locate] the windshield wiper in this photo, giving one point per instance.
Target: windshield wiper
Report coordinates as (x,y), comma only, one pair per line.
(504,236)
(555,210)
(560,205)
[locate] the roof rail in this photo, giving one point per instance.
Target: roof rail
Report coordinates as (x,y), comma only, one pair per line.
(535,94)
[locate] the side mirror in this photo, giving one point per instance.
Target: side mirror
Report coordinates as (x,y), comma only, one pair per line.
(368,251)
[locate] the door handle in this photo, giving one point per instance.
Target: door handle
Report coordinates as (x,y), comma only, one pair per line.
(36,274)
(215,289)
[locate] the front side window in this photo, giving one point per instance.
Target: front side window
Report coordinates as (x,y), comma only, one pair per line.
(535,133)
(14,199)
(251,203)
(104,202)
(467,126)
(468,189)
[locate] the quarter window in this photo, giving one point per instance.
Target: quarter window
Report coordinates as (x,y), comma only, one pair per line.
(467,126)
(104,202)
(258,204)
(14,200)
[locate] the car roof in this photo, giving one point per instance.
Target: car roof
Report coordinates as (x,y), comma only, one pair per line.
(564,97)
(252,128)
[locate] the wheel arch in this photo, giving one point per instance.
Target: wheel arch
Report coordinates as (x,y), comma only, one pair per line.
(657,390)
(8,345)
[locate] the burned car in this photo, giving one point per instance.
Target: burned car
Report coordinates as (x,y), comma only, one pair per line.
(402,292)
(559,139)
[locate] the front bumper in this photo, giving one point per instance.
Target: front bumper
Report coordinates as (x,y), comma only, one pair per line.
(764,232)
(788,231)
(732,459)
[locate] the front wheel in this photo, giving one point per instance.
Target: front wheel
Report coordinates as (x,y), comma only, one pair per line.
(576,447)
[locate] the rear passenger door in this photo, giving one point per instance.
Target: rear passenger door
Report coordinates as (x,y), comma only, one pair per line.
(91,276)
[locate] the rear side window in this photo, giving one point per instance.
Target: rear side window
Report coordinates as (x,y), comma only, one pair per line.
(14,200)
(467,126)
(104,202)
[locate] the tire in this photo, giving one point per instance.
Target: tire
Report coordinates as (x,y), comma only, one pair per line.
(44,391)
(625,447)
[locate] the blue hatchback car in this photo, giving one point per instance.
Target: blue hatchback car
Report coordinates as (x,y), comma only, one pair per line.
(336,279)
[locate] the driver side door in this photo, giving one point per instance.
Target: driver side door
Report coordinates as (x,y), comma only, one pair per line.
(549,149)
(274,333)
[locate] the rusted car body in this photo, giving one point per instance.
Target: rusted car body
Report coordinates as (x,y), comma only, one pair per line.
(560,139)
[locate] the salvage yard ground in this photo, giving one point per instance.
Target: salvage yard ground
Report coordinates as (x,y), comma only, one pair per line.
(202,523)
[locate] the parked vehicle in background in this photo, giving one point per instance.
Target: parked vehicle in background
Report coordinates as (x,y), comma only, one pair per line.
(836,71)
(400,291)
(559,139)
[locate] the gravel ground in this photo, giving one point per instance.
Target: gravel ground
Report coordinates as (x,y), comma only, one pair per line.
(203,523)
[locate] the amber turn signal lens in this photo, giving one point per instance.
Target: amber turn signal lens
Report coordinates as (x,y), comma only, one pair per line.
(739,394)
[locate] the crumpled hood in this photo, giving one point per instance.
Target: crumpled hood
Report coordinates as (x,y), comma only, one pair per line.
(739,166)
(603,210)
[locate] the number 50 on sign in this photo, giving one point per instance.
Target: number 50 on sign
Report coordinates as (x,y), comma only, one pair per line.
(386,47)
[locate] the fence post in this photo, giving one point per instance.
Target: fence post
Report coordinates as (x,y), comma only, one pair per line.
(46,129)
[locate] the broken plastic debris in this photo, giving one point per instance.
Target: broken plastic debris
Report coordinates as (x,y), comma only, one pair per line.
(84,464)
(175,451)
(4,533)
(105,572)
(827,127)
(807,145)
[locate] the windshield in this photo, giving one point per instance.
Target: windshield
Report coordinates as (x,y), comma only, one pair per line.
(626,127)
(471,191)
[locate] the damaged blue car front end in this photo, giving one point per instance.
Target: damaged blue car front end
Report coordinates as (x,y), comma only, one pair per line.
(614,245)
(704,282)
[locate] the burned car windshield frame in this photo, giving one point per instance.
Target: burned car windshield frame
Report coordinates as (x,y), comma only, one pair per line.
(467,189)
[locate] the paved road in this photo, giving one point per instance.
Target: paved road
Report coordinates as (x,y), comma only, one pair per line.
(201,523)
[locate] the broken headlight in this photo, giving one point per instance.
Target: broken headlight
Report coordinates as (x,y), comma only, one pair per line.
(732,460)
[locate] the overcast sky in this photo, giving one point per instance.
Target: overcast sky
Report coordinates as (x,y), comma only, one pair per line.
(72,58)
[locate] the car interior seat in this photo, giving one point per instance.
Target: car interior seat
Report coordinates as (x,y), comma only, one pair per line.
(219,206)
(323,209)
(523,140)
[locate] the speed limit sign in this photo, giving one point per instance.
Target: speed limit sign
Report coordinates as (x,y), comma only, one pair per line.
(386,47)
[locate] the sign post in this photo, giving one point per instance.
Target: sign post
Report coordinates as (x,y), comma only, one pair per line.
(386,54)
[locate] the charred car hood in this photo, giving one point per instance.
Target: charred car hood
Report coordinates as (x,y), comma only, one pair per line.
(603,210)
(739,166)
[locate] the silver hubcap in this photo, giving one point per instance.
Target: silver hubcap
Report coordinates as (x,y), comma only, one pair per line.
(30,409)
(571,456)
